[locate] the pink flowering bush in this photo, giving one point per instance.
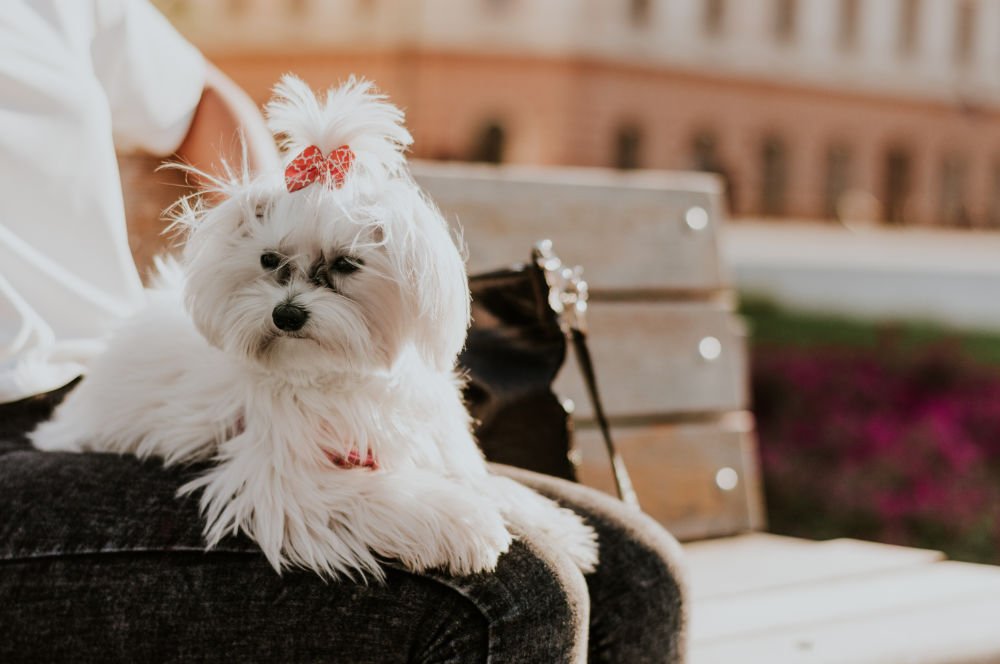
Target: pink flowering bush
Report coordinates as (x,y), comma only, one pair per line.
(894,443)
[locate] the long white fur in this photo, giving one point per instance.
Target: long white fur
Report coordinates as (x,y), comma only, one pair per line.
(203,372)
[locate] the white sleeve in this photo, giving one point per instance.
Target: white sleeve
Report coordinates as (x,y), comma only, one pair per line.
(153,77)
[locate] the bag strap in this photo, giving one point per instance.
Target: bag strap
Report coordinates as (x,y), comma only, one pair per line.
(568,298)
(623,482)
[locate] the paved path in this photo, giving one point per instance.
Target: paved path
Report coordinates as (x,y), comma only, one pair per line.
(948,277)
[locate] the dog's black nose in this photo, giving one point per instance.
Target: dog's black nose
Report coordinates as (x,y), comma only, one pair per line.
(289,317)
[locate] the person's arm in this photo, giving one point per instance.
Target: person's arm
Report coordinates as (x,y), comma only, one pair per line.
(223,112)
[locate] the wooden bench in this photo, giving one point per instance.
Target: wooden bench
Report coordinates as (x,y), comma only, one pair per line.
(671,357)
(672,362)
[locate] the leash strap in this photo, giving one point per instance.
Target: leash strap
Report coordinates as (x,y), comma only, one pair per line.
(568,294)
(623,482)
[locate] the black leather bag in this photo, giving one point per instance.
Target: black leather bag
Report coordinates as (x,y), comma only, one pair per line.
(523,318)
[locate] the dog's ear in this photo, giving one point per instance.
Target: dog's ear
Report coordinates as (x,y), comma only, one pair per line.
(434,284)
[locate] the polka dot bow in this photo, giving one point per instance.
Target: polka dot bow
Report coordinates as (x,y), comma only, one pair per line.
(311,166)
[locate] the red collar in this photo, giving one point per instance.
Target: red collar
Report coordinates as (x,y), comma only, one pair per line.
(352,460)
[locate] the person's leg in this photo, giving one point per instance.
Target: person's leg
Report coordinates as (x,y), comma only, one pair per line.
(99,561)
(637,607)
(536,606)
(192,606)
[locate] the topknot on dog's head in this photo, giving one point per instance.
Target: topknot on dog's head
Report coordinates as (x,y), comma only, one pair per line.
(354,114)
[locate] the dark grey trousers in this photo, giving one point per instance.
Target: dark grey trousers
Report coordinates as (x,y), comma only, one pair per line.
(100,562)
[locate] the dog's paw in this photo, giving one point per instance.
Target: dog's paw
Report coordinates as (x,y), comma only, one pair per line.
(561,529)
(574,538)
(54,436)
(477,546)
(448,528)
(466,545)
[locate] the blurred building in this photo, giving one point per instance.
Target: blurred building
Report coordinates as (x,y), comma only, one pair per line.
(810,108)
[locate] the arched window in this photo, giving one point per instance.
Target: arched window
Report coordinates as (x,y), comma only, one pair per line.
(497,5)
(838,179)
(628,145)
(965,31)
(704,153)
(786,18)
(489,144)
(953,210)
(774,177)
(909,25)
(994,210)
(898,167)
(640,11)
(705,157)
(714,17)
(847,30)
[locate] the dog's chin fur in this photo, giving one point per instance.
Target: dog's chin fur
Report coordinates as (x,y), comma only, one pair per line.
(205,373)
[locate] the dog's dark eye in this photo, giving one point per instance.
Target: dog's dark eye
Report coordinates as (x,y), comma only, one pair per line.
(270,260)
(346,265)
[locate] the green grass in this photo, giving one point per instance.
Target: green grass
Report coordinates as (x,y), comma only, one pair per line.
(773,326)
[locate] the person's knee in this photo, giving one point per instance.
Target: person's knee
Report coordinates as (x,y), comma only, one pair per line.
(641,589)
(535,605)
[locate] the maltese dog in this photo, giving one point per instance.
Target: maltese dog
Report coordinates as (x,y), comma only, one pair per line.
(306,344)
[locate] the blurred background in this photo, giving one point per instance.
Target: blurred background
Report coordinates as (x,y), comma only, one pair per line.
(859,141)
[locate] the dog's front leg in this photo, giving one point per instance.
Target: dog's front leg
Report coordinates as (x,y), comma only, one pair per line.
(344,522)
(535,515)
(425,521)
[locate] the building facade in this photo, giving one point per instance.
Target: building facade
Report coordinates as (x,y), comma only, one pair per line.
(857,109)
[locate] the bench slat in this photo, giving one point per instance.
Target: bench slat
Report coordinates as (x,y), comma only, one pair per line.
(757,561)
(675,468)
(627,230)
(867,596)
(648,360)
(961,633)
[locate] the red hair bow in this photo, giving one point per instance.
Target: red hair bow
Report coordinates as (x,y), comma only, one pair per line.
(311,166)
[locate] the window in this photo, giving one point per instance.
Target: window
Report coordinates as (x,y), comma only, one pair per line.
(490,143)
(628,144)
(952,208)
(774,184)
(897,185)
(994,211)
(838,174)
(847,26)
(640,11)
(785,19)
(909,23)
(714,17)
(965,25)
(704,156)
(497,5)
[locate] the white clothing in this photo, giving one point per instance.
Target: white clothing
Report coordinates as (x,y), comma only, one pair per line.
(78,79)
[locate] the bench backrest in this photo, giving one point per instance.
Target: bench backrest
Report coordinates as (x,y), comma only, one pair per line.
(669,351)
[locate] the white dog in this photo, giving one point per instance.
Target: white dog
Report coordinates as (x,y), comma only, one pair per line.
(307,345)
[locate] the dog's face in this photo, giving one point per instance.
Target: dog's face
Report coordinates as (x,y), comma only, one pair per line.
(326,278)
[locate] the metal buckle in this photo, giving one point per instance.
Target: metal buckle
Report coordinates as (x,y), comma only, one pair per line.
(568,290)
